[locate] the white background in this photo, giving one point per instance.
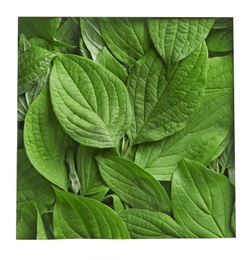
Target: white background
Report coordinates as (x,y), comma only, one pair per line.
(132,249)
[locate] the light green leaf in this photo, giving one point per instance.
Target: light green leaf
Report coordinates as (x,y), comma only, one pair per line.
(45,141)
(33,65)
(220,40)
(44,27)
(109,62)
(127,38)
(201,140)
(162,106)
(91,35)
(202,200)
(133,185)
(43,43)
(31,185)
(23,44)
(80,217)
(176,38)
(91,180)
(143,223)
(116,202)
(91,103)
(41,230)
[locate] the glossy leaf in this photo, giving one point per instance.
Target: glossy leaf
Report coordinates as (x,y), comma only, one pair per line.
(162,106)
(109,62)
(200,140)
(91,35)
(143,223)
(176,38)
(127,38)
(91,103)
(80,217)
(133,185)
(202,200)
(33,65)
(45,141)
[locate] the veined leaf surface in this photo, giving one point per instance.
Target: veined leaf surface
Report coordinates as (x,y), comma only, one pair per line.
(202,200)
(45,141)
(80,217)
(91,103)
(200,140)
(127,38)
(162,106)
(143,223)
(176,38)
(133,185)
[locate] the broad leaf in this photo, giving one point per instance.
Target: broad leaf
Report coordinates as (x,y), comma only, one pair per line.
(91,103)
(91,35)
(176,38)
(45,141)
(109,62)
(80,217)
(43,43)
(222,23)
(143,223)
(202,200)
(220,40)
(162,106)
(44,27)
(200,140)
(127,38)
(33,65)
(133,185)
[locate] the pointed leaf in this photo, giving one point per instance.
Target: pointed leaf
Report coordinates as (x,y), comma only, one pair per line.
(91,104)
(45,141)
(202,200)
(143,223)
(80,217)
(127,38)
(133,185)
(162,106)
(176,38)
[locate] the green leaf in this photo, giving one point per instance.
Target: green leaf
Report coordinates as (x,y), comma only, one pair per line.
(143,223)
(162,106)
(44,27)
(220,40)
(117,203)
(91,103)
(222,23)
(202,200)
(45,141)
(23,44)
(80,217)
(176,38)
(31,185)
(91,180)
(204,137)
(33,65)
(133,185)
(43,43)
(127,38)
(91,35)
(41,231)
(109,62)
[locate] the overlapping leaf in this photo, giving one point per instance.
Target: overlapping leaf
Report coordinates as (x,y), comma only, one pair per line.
(91,103)
(202,200)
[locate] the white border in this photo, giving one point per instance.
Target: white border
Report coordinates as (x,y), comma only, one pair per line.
(111,249)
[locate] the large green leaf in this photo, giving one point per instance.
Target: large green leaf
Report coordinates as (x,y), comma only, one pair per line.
(202,200)
(162,106)
(31,185)
(133,185)
(91,35)
(143,223)
(127,38)
(205,135)
(33,65)
(45,141)
(91,103)
(176,38)
(80,217)
(44,27)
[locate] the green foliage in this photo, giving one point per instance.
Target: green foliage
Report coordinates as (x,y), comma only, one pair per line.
(125,128)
